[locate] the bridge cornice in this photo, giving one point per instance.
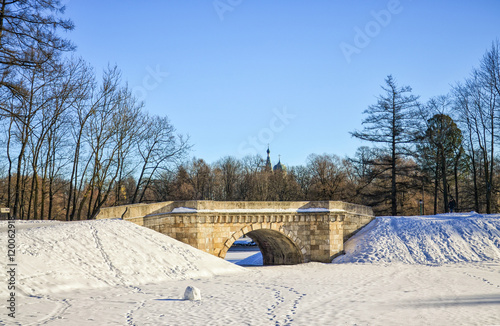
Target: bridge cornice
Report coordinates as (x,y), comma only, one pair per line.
(232,217)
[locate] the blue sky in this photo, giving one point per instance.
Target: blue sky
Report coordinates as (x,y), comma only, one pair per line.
(238,74)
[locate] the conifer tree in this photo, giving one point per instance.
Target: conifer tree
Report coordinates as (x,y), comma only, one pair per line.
(390,123)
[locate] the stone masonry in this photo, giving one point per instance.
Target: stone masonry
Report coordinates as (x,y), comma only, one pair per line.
(286,232)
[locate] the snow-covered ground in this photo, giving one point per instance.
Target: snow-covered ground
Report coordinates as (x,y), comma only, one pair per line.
(431,270)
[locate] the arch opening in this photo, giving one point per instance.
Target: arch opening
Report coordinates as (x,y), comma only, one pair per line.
(244,252)
(276,248)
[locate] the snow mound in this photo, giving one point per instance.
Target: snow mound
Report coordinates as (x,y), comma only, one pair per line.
(428,240)
(54,257)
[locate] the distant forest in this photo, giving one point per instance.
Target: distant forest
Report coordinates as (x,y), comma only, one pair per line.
(71,144)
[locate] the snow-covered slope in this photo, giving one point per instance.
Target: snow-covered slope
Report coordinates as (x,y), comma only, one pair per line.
(54,257)
(429,240)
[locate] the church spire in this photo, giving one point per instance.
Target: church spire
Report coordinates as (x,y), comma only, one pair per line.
(268,161)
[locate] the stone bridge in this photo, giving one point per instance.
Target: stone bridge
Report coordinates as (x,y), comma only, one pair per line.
(286,232)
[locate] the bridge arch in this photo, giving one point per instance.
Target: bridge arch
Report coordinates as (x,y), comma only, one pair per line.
(276,246)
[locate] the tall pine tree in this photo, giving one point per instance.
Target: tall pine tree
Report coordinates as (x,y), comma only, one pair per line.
(390,123)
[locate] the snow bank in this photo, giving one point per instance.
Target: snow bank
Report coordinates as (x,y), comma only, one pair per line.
(428,240)
(55,257)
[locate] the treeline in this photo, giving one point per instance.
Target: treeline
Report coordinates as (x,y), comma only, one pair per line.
(363,179)
(69,142)
(324,177)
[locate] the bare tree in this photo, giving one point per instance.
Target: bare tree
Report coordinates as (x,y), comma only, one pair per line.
(29,49)
(87,100)
(201,179)
(477,105)
(158,146)
(228,172)
(303,178)
(327,177)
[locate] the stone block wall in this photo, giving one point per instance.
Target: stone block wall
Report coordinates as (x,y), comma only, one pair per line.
(131,211)
(353,223)
(317,236)
(286,232)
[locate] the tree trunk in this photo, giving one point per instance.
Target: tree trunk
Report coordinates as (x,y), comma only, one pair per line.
(444,181)
(436,186)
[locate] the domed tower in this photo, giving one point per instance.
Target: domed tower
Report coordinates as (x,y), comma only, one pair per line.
(279,167)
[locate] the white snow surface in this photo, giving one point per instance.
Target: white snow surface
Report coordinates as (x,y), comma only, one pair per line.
(55,257)
(318,210)
(183,210)
(428,240)
(423,270)
(255,210)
